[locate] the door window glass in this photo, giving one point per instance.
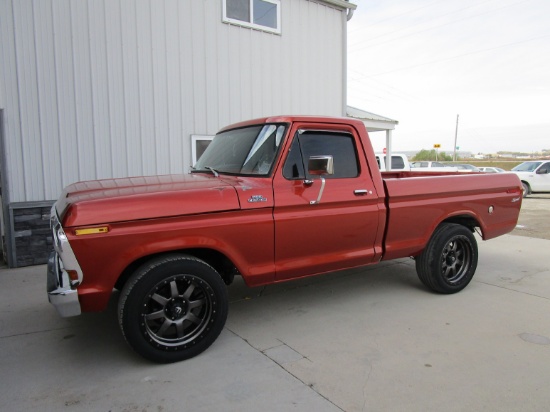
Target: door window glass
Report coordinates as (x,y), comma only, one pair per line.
(340,146)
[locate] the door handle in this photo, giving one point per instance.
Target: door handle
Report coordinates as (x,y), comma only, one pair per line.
(362,192)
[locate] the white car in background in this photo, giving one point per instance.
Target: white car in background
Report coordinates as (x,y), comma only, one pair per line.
(399,162)
(466,168)
(426,166)
(534,176)
(491,169)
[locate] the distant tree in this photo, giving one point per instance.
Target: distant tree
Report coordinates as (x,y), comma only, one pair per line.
(431,155)
(424,155)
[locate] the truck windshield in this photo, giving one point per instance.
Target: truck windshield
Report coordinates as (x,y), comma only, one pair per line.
(245,151)
(526,167)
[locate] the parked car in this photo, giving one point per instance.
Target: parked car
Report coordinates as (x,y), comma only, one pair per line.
(466,168)
(432,167)
(534,176)
(398,161)
(491,169)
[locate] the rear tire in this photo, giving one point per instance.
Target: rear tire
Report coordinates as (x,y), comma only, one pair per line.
(173,308)
(526,189)
(449,261)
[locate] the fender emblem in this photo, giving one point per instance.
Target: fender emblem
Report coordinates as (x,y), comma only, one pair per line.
(256,199)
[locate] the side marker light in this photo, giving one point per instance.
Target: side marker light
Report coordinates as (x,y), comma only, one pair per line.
(91,231)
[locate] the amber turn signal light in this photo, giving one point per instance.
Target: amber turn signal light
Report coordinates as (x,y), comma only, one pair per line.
(91,231)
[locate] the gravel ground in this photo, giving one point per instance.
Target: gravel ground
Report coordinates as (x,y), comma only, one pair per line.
(534,218)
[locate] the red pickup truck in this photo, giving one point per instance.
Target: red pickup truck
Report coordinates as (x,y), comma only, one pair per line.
(271,200)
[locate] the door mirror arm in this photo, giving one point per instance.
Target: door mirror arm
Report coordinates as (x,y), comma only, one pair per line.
(319,166)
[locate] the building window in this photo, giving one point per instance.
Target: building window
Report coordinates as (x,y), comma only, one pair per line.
(258,14)
(199,143)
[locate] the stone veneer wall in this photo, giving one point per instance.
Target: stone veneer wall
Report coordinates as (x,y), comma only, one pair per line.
(33,240)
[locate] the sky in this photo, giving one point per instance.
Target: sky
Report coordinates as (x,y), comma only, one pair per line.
(423,62)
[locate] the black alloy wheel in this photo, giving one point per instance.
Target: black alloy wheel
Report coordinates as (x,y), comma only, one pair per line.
(173,308)
(449,261)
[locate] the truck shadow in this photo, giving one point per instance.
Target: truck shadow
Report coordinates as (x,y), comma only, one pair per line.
(103,330)
(100,335)
(386,276)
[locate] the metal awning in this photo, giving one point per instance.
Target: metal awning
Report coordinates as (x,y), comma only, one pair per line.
(376,123)
(373,122)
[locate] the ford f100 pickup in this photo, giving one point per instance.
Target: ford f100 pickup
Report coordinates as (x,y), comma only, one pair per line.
(271,200)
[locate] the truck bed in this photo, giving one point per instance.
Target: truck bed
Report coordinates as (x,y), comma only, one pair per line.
(414,198)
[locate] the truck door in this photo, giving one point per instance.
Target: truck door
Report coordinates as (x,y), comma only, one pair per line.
(320,228)
(541,179)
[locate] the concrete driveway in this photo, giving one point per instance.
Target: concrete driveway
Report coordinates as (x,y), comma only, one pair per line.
(371,339)
(534,219)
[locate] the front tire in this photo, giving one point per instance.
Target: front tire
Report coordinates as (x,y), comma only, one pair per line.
(449,261)
(173,308)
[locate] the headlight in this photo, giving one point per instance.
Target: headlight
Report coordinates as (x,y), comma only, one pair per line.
(61,238)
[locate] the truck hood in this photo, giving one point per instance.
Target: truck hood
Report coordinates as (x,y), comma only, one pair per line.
(135,198)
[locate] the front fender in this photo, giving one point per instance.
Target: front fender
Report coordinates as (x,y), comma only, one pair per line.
(245,237)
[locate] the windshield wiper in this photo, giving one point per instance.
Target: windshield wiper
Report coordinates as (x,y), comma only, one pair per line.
(206,168)
(216,174)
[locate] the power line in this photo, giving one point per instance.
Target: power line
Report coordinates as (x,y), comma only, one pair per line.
(371,39)
(460,55)
(408,12)
(415,25)
(360,77)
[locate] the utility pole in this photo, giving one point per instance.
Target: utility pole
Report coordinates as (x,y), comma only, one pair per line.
(456,135)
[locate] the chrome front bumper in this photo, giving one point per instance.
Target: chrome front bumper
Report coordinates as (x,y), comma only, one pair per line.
(61,289)
(60,293)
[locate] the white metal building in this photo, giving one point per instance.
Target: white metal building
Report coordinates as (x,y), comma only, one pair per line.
(93,89)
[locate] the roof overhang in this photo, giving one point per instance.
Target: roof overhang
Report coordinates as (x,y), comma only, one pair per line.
(373,122)
(340,3)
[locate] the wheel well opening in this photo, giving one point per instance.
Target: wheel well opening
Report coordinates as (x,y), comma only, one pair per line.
(223,265)
(465,220)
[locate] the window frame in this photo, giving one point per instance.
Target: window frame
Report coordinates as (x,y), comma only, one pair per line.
(304,156)
(250,23)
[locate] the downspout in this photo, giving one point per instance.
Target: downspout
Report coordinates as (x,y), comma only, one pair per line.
(7,229)
(349,15)
(344,68)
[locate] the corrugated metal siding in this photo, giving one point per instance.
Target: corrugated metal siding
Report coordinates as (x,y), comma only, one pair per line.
(98,89)
(12,124)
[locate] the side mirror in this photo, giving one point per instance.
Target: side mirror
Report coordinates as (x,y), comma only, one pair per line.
(320,165)
(542,171)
